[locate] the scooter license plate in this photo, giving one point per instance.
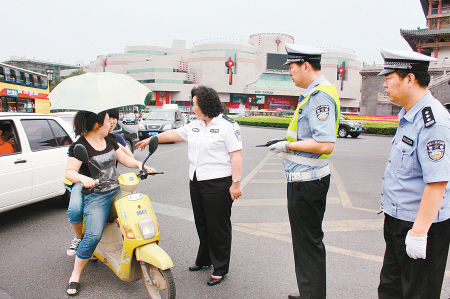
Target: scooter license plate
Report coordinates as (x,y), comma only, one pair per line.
(135,196)
(152,133)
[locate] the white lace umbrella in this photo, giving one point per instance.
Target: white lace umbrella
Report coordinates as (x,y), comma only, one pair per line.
(97,92)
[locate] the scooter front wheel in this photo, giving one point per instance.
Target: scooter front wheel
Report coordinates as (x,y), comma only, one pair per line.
(158,283)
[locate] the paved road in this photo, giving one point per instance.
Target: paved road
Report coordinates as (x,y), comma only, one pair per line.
(34,238)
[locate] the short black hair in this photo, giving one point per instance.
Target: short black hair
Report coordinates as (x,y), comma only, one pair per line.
(114,113)
(315,65)
(208,100)
(423,78)
(84,121)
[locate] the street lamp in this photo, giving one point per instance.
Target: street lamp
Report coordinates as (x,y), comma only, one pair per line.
(49,74)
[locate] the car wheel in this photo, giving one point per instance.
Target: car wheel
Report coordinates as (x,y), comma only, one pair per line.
(354,135)
(342,132)
(129,145)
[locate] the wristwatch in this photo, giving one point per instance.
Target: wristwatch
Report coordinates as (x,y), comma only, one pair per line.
(236,181)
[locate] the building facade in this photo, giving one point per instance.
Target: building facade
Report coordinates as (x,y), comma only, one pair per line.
(248,75)
(433,41)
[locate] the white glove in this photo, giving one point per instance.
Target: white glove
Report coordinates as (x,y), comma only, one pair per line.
(279,147)
(416,247)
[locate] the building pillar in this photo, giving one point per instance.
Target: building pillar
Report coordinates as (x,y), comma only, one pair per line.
(439,12)
(436,50)
(430,6)
(419,50)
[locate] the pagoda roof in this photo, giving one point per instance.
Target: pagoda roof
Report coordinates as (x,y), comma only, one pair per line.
(424,32)
(424,4)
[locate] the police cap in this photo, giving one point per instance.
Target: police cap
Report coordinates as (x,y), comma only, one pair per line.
(395,60)
(302,53)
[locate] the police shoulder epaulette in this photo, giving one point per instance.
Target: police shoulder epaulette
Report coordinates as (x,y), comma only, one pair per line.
(428,117)
(315,92)
(226,117)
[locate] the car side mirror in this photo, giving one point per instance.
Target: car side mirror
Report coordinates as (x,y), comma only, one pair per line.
(81,153)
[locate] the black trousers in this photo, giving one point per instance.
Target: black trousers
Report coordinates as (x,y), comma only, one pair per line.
(306,208)
(211,204)
(404,277)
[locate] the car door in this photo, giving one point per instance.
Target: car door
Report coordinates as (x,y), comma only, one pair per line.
(49,144)
(15,173)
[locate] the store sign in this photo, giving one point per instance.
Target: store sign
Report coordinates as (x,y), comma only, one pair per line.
(11,93)
(281,102)
(264,91)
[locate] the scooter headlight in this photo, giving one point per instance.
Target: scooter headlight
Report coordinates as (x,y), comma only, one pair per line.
(147,228)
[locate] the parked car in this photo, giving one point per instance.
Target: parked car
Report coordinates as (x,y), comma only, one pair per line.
(158,121)
(447,105)
(349,127)
(129,134)
(34,170)
(130,118)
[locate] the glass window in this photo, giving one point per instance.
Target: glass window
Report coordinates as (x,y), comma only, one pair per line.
(8,134)
(39,134)
(43,82)
(27,79)
(60,134)
(10,75)
(2,74)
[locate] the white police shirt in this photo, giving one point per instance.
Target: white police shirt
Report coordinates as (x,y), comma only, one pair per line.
(209,147)
(419,155)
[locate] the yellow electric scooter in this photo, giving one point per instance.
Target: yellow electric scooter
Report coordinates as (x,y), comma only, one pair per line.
(129,245)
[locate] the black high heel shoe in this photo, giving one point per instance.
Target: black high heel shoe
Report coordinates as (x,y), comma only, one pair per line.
(213,281)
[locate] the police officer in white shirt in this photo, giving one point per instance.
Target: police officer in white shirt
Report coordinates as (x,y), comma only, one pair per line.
(415,193)
(215,169)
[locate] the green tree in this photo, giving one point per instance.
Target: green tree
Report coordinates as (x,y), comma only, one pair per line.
(58,79)
(148,99)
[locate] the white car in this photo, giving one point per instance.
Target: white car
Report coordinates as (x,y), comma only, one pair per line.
(34,168)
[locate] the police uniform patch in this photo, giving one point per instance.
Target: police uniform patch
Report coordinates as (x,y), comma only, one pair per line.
(214,130)
(196,129)
(408,140)
(226,117)
(436,149)
(322,112)
(428,117)
(237,133)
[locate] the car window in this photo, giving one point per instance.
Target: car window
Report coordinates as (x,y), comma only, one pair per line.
(39,133)
(9,139)
(62,138)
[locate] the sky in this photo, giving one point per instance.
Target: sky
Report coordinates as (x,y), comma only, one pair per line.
(73,31)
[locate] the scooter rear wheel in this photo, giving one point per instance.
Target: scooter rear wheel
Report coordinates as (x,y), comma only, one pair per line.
(158,283)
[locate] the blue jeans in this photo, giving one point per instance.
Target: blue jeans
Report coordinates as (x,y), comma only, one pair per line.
(75,210)
(96,210)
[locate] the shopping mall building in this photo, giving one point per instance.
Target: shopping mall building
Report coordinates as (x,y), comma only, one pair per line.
(247,75)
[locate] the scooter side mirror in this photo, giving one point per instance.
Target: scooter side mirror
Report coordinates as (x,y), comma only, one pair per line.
(153,145)
(81,153)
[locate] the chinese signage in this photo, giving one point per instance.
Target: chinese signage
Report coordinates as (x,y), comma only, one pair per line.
(11,93)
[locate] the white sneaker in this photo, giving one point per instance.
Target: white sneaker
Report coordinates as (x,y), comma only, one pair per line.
(73,246)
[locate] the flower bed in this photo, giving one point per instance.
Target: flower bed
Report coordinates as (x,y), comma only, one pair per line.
(373,124)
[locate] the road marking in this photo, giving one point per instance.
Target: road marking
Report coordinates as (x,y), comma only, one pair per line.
(328,226)
(268,181)
(255,170)
(270,170)
(343,195)
(243,202)
(186,214)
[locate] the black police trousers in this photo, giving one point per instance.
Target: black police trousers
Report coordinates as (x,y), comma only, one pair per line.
(306,208)
(211,204)
(404,277)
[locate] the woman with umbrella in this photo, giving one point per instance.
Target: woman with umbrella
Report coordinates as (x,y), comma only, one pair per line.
(215,169)
(103,152)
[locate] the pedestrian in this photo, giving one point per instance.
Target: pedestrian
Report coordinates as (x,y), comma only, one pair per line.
(75,208)
(415,193)
(102,151)
(215,169)
(309,143)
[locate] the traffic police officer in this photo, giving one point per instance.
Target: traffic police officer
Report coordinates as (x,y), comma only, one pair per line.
(309,143)
(415,193)
(215,169)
